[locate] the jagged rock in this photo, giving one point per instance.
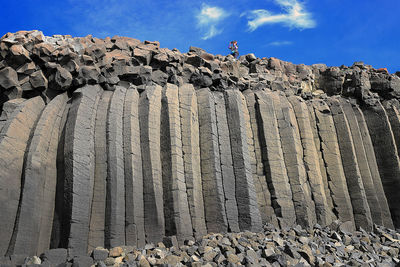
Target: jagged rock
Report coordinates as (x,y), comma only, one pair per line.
(8,78)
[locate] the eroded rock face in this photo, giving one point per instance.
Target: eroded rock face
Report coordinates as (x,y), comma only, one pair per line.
(109,142)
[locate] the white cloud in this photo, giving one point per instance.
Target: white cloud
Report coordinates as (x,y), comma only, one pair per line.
(280,43)
(296,16)
(208,20)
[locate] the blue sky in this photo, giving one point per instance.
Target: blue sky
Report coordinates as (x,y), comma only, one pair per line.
(333,32)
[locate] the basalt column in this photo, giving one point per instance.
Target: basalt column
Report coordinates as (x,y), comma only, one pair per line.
(134,209)
(249,214)
(361,211)
(191,156)
(311,160)
(386,156)
(149,121)
(79,156)
(274,164)
(293,155)
(225,152)
(176,210)
(260,181)
(213,191)
(331,154)
(33,229)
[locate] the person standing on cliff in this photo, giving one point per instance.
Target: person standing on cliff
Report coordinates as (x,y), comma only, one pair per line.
(233,46)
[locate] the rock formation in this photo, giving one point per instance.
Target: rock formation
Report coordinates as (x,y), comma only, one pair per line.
(109,142)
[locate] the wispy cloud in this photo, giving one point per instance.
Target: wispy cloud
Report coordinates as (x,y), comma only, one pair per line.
(208,19)
(296,16)
(280,43)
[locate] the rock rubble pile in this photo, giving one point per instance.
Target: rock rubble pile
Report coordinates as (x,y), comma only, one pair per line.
(337,245)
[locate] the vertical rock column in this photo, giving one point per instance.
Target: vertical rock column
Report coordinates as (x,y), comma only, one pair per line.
(361,211)
(15,135)
(260,181)
(32,232)
(176,209)
(191,157)
(115,201)
(362,162)
(149,121)
(97,218)
(331,154)
(293,156)
(246,197)
(213,191)
(311,161)
(386,156)
(274,164)
(228,176)
(318,147)
(373,167)
(79,167)
(134,209)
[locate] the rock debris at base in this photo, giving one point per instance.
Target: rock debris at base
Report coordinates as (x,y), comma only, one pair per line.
(337,245)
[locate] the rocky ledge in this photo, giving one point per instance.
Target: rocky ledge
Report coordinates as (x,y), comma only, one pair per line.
(33,64)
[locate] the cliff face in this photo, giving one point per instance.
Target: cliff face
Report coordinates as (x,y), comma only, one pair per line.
(117,141)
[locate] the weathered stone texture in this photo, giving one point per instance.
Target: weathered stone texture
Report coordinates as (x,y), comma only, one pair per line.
(32,231)
(373,167)
(176,208)
(79,156)
(191,156)
(311,161)
(228,176)
(97,218)
(14,137)
(213,191)
(149,122)
(386,156)
(361,211)
(331,154)
(274,164)
(260,181)
(134,206)
(293,156)
(246,197)
(115,200)
(362,162)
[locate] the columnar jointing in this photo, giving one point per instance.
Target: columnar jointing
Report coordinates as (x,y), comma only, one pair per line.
(97,218)
(213,191)
(362,162)
(225,152)
(274,164)
(293,155)
(14,137)
(149,121)
(191,156)
(79,167)
(176,209)
(361,211)
(260,181)
(246,198)
(373,167)
(32,231)
(318,147)
(311,160)
(331,154)
(134,207)
(386,156)
(115,201)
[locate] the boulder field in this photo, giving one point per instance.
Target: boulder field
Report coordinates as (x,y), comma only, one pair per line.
(117,142)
